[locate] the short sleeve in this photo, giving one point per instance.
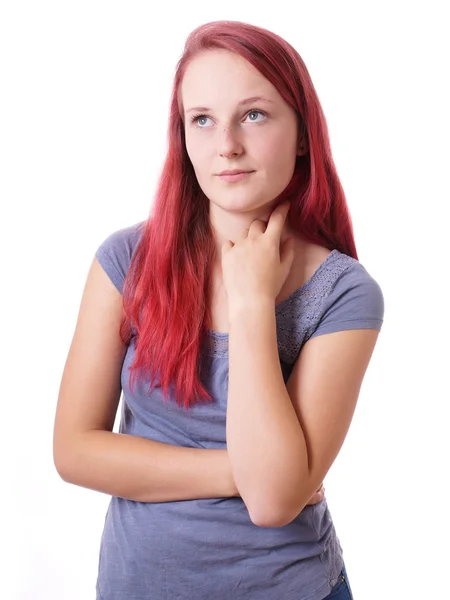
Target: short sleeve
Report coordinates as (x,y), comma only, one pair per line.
(355,302)
(115,253)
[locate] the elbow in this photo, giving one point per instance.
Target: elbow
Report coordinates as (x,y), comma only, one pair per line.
(268,517)
(59,459)
(262,513)
(267,509)
(272,519)
(275,517)
(62,466)
(65,455)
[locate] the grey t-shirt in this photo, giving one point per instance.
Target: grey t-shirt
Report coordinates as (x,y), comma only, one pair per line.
(209,548)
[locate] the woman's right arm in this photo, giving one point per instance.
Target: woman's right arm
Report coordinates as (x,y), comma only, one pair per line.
(86,451)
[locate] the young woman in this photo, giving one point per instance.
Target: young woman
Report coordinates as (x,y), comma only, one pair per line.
(239,324)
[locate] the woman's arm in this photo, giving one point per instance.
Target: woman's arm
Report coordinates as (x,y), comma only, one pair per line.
(86,451)
(145,470)
(283,439)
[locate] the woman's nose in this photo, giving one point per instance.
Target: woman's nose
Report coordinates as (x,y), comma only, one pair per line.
(229,143)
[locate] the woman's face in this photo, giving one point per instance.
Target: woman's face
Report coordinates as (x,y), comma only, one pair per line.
(258,135)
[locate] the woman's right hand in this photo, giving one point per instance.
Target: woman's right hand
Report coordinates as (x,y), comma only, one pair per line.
(317,497)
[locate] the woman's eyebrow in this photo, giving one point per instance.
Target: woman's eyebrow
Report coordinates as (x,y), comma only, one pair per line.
(240,103)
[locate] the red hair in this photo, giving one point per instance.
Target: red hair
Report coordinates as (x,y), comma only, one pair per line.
(166,290)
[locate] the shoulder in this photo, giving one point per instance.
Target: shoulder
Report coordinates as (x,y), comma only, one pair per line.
(122,240)
(116,251)
(340,295)
(350,298)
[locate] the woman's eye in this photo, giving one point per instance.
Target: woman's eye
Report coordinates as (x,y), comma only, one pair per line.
(254,112)
(201,118)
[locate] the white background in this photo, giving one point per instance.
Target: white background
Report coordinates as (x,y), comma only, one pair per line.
(85,89)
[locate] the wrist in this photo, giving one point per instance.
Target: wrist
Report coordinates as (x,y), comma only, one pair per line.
(245,308)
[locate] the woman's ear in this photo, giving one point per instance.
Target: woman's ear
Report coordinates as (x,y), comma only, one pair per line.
(303,146)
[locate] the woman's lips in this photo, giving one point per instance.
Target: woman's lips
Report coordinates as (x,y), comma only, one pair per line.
(235,178)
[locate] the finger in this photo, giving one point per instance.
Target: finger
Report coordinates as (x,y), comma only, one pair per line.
(315,498)
(257,227)
(241,234)
(277,220)
(226,246)
(318,496)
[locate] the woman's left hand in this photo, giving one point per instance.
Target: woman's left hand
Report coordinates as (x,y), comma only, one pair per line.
(255,267)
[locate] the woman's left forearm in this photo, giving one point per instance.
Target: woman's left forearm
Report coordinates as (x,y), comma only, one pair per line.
(265,442)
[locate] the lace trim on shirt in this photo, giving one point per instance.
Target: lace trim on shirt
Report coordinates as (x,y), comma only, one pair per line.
(298,314)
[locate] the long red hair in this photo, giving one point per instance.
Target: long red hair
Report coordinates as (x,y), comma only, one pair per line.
(166,293)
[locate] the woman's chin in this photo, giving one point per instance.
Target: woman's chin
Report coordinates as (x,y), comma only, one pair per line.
(241,203)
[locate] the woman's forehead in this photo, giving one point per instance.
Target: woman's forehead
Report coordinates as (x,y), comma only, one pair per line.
(221,77)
